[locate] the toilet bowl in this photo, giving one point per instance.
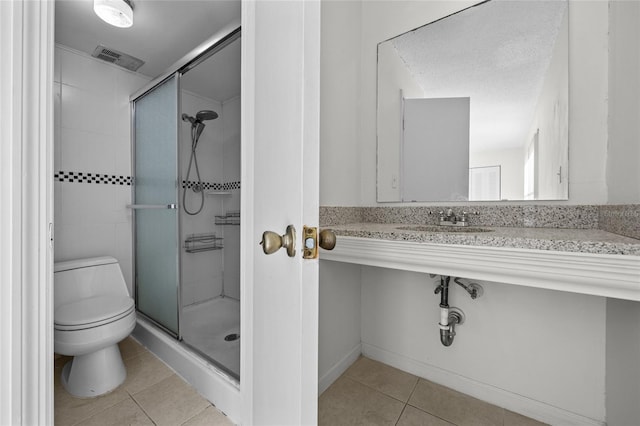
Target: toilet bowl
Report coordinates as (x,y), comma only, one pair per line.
(93,311)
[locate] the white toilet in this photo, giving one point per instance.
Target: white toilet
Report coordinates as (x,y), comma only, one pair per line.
(93,311)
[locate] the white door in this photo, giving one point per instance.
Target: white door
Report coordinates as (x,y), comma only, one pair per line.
(280,134)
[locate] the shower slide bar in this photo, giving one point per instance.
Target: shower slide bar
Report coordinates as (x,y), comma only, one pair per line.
(152,206)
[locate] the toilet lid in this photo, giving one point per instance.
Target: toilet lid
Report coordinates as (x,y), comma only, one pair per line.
(92,311)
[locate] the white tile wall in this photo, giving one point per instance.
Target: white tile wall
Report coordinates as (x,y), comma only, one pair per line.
(92,135)
(231,137)
(201,272)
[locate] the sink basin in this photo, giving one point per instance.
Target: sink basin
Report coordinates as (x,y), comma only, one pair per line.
(437,228)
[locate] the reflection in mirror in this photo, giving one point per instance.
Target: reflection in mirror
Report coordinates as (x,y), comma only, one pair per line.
(475,106)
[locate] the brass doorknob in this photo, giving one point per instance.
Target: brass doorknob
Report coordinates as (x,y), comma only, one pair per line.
(272,242)
(327,239)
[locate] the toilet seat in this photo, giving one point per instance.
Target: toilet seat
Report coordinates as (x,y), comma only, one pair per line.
(92,312)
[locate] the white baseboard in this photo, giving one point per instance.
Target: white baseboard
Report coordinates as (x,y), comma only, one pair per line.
(517,403)
(340,367)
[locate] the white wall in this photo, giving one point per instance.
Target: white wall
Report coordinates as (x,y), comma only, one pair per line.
(340,88)
(588,91)
(543,346)
(92,135)
(550,123)
(339,320)
(218,154)
(394,83)
(511,162)
(623,365)
(623,179)
(623,173)
(201,272)
(339,298)
(231,169)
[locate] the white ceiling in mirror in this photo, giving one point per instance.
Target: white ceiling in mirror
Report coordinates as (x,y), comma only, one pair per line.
(497,54)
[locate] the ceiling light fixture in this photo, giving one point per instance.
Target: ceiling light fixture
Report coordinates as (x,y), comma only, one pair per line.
(118,13)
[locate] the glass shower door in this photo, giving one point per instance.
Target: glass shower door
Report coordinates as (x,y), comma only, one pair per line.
(155,204)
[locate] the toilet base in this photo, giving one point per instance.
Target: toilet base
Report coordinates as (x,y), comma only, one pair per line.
(94,374)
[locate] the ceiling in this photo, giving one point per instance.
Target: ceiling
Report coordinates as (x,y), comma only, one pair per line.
(163,32)
(497,54)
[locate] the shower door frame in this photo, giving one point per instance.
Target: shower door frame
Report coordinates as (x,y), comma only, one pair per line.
(137,96)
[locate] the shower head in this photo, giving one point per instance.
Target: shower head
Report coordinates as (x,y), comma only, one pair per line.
(200,117)
(206,115)
(197,125)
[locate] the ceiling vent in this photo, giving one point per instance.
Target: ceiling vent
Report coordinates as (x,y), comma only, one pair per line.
(117,58)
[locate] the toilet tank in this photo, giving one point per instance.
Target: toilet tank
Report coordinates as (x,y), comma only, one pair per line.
(82,278)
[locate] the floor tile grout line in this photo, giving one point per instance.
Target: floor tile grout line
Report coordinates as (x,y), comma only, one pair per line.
(198,413)
(415,385)
(84,419)
(465,395)
(376,390)
(355,379)
(432,414)
(135,401)
(406,403)
(401,413)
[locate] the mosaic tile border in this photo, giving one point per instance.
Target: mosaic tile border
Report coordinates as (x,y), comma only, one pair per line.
(226,186)
(83,177)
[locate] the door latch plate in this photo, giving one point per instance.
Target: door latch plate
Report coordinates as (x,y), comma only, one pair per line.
(309,242)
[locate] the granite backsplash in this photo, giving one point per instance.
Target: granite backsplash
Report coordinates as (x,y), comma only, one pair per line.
(618,219)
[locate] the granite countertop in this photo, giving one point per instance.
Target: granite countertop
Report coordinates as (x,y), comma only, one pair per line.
(552,239)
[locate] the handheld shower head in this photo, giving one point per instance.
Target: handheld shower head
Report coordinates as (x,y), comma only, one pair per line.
(206,115)
(199,126)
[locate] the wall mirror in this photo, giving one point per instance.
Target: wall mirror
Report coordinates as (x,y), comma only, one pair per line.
(474,106)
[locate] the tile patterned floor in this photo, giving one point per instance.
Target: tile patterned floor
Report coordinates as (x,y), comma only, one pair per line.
(152,394)
(372,393)
(368,393)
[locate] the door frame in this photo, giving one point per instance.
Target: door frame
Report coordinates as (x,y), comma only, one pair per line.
(26,225)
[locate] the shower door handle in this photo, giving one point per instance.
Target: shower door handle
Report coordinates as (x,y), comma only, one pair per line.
(152,206)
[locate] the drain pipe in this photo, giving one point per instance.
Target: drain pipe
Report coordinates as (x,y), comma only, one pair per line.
(447,332)
(449,317)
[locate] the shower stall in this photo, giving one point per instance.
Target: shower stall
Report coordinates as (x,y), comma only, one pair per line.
(186,192)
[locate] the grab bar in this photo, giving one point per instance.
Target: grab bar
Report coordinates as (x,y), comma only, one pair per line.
(152,206)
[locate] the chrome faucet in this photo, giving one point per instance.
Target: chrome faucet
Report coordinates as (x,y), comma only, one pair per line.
(450,218)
